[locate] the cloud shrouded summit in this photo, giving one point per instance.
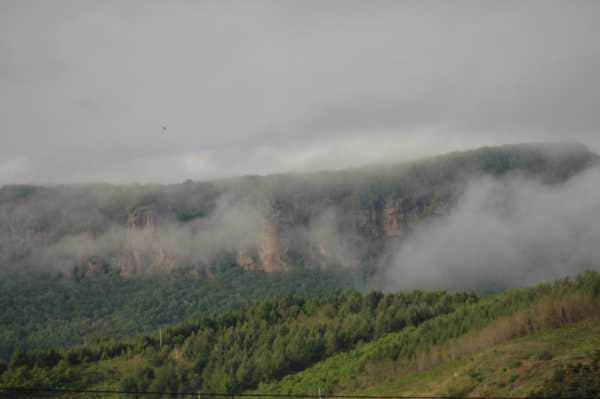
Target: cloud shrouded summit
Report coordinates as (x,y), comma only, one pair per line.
(263,87)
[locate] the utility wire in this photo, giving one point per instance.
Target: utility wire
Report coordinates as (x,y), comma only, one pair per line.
(230,395)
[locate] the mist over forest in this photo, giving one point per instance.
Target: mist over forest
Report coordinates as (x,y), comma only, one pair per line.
(485,220)
(504,233)
(340,198)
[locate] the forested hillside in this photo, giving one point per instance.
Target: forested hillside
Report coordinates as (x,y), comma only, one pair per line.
(491,321)
(269,223)
(45,311)
(341,345)
(80,262)
(234,351)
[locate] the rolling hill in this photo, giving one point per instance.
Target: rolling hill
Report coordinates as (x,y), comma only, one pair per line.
(82,262)
(541,340)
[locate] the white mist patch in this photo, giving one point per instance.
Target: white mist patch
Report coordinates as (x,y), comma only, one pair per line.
(233,226)
(504,233)
(13,169)
(340,247)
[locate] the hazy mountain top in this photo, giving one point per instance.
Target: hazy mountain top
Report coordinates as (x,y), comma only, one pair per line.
(347,218)
(525,151)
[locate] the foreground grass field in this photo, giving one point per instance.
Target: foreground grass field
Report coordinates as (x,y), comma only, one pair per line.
(512,369)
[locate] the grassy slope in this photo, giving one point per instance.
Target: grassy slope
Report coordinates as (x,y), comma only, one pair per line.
(513,368)
(557,319)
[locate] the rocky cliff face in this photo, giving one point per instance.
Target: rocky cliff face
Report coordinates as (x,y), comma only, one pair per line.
(378,212)
(145,248)
(268,223)
(392,217)
(271,250)
(270,253)
(287,234)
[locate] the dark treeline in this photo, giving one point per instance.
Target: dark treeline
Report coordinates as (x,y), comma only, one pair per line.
(48,311)
(234,350)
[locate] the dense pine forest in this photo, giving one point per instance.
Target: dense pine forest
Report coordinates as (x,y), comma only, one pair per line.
(48,310)
(233,351)
(294,343)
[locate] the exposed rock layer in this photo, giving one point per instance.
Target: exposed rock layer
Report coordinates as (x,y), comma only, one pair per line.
(316,219)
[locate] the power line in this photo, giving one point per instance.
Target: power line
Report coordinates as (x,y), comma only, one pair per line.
(229,395)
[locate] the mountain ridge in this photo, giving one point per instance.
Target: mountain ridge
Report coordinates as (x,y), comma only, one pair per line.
(269,223)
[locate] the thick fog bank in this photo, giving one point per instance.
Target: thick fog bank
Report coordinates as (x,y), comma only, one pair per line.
(504,233)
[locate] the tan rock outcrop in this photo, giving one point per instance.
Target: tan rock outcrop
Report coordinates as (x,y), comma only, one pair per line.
(146,250)
(271,250)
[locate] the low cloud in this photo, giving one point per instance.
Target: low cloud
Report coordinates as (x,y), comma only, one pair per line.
(159,245)
(501,232)
(339,246)
(504,233)
(258,88)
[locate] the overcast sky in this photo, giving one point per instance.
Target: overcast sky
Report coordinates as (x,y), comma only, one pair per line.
(247,87)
